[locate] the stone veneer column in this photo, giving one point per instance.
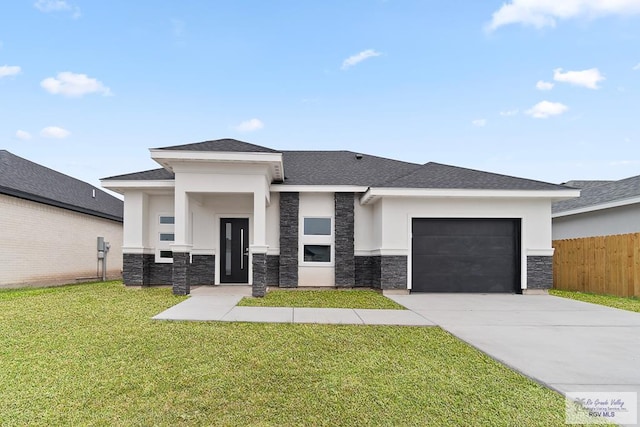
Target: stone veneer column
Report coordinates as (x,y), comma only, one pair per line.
(133,271)
(259,264)
(289,206)
(393,272)
(539,272)
(181,263)
(344,246)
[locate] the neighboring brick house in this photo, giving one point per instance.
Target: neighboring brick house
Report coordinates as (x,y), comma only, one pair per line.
(603,209)
(50,223)
(226,211)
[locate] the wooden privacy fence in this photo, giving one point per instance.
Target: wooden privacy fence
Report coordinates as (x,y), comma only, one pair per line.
(601,265)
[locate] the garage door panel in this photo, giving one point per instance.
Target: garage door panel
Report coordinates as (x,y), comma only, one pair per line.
(443,245)
(465,255)
(463,227)
(461,264)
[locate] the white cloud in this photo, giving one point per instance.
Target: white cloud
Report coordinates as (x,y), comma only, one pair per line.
(359,57)
(47,6)
(54,132)
(9,70)
(542,85)
(545,109)
(250,125)
(637,67)
(544,13)
(479,122)
(23,135)
(74,85)
(587,78)
(509,113)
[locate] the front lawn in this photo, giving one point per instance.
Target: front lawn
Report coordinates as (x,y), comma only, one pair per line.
(325,298)
(624,303)
(91,355)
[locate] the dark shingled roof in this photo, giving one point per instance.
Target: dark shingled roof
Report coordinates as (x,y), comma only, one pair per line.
(226,145)
(340,168)
(599,194)
(27,180)
(436,175)
(349,168)
(154,174)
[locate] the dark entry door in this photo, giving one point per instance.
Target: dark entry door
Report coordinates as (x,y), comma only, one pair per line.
(465,255)
(234,250)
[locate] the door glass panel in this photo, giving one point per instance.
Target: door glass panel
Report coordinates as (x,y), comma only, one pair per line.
(227,259)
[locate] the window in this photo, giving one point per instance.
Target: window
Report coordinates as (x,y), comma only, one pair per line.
(317,253)
(316,240)
(166,254)
(167,219)
(165,237)
(317,226)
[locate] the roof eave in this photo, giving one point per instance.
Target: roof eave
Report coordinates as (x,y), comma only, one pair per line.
(374,193)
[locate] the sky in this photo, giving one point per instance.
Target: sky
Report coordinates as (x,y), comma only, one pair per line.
(541,89)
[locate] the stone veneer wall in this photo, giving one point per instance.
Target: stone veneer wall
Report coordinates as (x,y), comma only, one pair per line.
(288,268)
(343,235)
(259,263)
(158,273)
(203,269)
(181,266)
(364,271)
(273,270)
(539,272)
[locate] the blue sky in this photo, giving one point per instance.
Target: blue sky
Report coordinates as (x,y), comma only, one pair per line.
(541,89)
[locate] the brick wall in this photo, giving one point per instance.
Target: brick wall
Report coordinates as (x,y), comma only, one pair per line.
(48,245)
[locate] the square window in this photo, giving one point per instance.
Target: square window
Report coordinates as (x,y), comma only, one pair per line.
(317,226)
(167,220)
(317,253)
(167,237)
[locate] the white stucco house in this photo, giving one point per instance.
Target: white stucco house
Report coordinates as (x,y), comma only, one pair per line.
(226,211)
(50,224)
(604,208)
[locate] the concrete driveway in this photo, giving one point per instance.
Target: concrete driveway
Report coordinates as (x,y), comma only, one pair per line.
(568,345)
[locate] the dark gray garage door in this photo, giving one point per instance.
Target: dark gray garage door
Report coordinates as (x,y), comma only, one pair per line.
(465,255)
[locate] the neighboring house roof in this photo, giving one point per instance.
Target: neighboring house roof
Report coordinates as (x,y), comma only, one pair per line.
(584,183)
(30,181)
(600,194)
(356,169)
(222,145)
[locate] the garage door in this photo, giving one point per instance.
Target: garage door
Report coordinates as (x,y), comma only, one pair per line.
(465,255)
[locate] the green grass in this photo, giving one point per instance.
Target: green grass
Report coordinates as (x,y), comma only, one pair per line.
(624,303)
(325,298)
(90,355)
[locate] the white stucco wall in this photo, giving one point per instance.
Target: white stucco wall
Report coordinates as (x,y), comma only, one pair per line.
(364,235)
(315,205)
(605,222)
(393,217)
(44,245)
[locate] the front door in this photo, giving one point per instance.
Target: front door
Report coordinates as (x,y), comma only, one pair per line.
(234,250)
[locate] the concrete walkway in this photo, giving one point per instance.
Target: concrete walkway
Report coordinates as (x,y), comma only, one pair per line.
(219,303)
